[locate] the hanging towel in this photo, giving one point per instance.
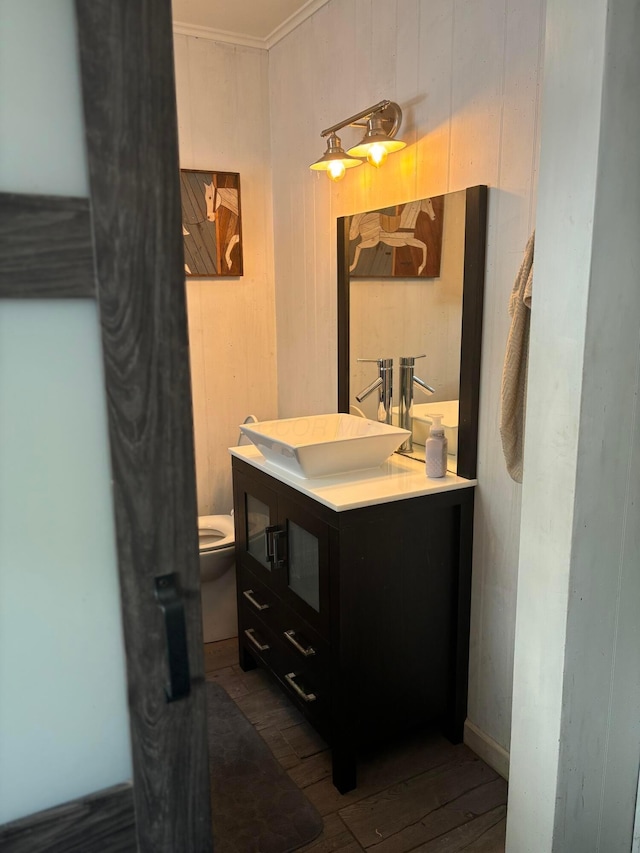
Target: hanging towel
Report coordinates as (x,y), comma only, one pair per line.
(514,373)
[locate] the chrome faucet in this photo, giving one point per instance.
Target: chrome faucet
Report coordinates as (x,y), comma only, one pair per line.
(384,382)
(407,380)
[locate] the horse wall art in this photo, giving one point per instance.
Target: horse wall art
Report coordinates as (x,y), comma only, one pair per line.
(211,226)
(404,241)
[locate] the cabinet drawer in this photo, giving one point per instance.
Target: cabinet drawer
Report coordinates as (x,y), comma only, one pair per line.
(301,638)
(258,640)
(306,681)
(257,599)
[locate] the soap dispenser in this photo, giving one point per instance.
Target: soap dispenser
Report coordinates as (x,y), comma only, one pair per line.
(436,449)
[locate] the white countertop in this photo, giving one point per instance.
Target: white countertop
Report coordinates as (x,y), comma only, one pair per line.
(398,478)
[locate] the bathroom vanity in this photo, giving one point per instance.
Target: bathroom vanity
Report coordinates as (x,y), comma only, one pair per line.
(354,591)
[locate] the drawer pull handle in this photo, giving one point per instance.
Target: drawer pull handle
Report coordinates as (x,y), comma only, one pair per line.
(250,634)
(307,651)
(248,594)
(290,679)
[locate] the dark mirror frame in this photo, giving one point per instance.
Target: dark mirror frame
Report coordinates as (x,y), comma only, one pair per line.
(475,241)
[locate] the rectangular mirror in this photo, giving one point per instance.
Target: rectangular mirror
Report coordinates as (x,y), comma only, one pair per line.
(410,289)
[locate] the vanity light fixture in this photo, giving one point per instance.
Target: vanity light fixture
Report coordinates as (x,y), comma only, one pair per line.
(382,122)
(335,161)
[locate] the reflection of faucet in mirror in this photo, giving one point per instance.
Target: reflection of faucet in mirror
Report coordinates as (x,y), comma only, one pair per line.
(407,380)
(384,382)
(385,306)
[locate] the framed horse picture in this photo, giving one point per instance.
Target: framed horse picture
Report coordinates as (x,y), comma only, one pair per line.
(211,223)
(403,241)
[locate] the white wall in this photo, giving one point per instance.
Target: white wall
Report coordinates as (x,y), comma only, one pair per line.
(223,122)
(576,728)
(466,74)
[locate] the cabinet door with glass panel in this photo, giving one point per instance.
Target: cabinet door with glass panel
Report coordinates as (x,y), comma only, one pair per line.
(256,510)
(286,547)
(305,563)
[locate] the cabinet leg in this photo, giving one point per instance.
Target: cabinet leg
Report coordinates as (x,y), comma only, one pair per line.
(246,661)
(453,730)
(344,769)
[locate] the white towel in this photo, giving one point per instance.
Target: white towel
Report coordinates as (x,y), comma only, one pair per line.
(514,373)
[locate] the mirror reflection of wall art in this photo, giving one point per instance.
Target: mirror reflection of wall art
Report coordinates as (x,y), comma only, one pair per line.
(403,241)
(211,225)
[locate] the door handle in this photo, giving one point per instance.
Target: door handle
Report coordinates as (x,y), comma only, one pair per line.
(175,624)
(268,544)
(275,540)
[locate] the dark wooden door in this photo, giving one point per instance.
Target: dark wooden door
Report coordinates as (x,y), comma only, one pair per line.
(123,248)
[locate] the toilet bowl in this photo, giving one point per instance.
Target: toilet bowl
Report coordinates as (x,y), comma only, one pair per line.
(216,542)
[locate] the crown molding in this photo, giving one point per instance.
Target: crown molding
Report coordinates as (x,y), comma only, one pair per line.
(197,31)
(294,21)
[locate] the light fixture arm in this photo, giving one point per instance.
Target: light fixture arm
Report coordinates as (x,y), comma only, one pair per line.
(382,121)
(391,115)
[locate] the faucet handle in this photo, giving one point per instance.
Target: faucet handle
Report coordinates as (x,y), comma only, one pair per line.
(381,362)
(408,360)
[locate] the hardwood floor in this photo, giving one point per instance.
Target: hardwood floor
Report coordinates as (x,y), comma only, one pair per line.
(424,795)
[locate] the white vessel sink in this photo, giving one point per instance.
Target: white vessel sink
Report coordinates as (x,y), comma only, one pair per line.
(422,422)
(321,445)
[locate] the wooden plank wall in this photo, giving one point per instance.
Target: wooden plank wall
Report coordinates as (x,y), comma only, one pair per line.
(223,120)
(467,75)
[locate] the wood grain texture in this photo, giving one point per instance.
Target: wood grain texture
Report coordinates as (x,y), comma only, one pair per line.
(420,792)
(47,250)
(384,815)
(483,834)
(335,838)
(450,814)
(103,822)
(129,103)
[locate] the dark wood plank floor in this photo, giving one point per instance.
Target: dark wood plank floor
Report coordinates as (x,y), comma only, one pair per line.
(423,795)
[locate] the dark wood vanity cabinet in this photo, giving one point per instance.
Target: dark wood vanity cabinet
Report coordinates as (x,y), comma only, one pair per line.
(362,615)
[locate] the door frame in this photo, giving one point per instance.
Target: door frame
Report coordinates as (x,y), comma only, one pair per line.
(123,247)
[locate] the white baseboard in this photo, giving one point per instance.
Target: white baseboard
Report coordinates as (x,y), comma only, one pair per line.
(496,756)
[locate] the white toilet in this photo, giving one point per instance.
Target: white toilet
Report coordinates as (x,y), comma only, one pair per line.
(217,577)
(216,539)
